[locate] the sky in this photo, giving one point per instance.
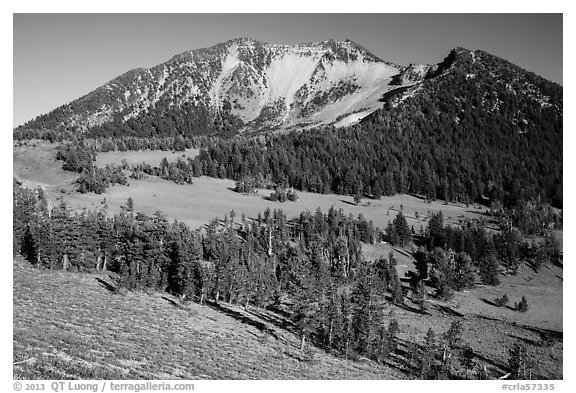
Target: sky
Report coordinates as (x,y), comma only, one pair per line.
(60,57)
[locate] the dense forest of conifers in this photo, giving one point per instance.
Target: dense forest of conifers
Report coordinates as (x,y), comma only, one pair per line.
(310,267)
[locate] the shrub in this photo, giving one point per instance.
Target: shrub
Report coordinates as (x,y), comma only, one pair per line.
(292,196)
(522,305)
(519,362)
(501,301)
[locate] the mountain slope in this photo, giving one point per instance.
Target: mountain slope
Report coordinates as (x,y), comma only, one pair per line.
(250,84)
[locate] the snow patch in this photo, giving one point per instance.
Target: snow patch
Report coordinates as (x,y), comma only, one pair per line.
(228,67)
(286,75)
(352,119)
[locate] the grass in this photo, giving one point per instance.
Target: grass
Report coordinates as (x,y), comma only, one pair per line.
(196,204)
(543,291)
(69,326)
(36,165)
(492,330)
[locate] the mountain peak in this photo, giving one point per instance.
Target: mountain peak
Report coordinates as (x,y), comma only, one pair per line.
(258,84)
(243,41)
(330,43)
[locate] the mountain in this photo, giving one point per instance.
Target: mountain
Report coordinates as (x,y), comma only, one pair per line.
(483,81)
(242,84)
(476,128)
(472,127)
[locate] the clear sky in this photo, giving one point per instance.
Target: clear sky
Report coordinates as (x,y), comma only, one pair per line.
(60,57)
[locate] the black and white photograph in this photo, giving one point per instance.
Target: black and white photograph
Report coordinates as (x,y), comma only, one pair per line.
(286,196)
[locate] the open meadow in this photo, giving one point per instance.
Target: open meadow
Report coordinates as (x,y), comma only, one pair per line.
(196,204)
(35,165)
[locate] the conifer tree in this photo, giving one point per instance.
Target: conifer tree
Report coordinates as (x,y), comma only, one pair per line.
(522,305)
(519,362)
(402,230)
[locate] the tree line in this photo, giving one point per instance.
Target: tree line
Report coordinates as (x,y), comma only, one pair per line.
(310,267)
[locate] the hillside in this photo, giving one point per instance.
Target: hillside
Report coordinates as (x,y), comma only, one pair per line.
(35,164)
(276,263)
(70,326)
(62,330)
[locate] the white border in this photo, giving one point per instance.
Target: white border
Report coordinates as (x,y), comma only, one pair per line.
(295,6)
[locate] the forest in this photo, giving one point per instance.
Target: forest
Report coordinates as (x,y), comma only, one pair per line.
(310,267)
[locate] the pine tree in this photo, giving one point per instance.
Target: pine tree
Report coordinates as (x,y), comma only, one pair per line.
(442,273)
(392,332)
(363,300)
(519,362)
(464,276)
(435,231)
(28,246)
(376,190)
(522,306)
(427,359)
(392,234)
(454,334)
(501,301)
(397,295)
(402,230)
(489,270)
(430,344)
(467,359)
(24,213)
